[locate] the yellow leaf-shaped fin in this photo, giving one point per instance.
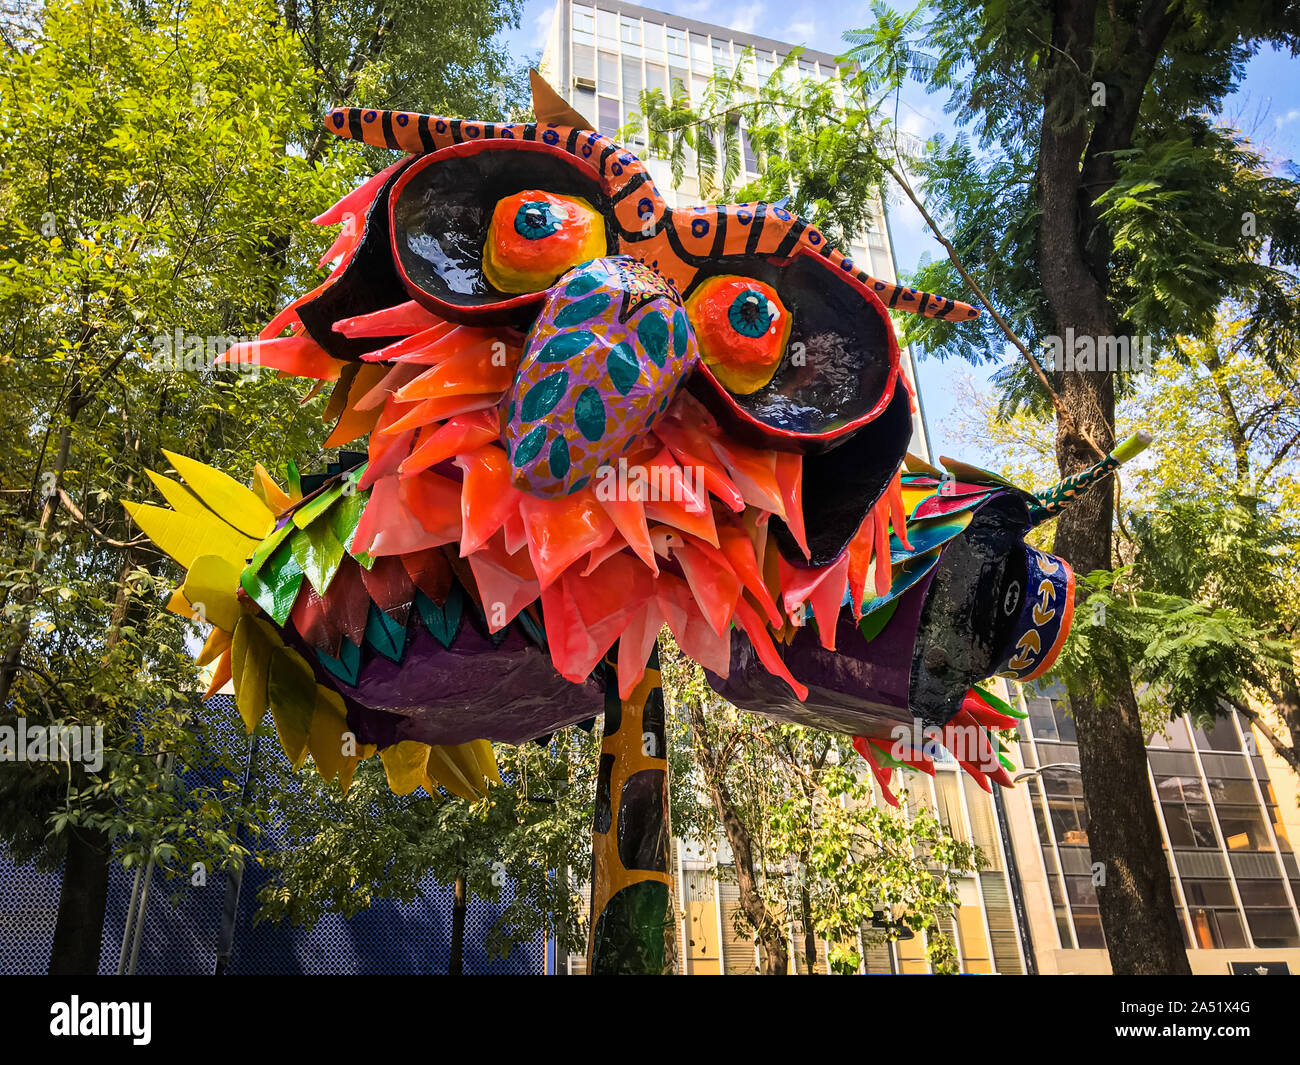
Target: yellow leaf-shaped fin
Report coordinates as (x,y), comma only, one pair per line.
(444,769)
(220,676)
(178,604)
(325,739)
(250,658)
(187,536)
(486,759)
(235,503)
(404,763)
(291,691)
(210,587)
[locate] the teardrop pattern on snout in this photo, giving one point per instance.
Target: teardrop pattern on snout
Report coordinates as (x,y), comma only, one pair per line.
(603,361)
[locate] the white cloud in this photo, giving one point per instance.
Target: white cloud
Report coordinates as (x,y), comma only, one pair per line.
(799,32)
(1287,119)
(745,18)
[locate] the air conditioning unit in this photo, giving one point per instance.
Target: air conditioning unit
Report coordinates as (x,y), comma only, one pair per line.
(584,83)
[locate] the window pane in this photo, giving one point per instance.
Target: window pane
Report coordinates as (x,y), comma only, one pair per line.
(1202,827)
(584,102)
(676,42)
(1178,826)
(1272,928)
(1221,737)
(1225,790)
(656,77)
(608,80)
(1041,719)
(700,54)
(632,84)
(610,114)
(607,27)
(654,37)
(1209,893)
(1263,893)
(1064,722)
(1087,928)
(1243,828)
(584,62)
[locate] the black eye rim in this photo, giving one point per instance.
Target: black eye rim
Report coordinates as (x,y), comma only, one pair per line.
(571,175)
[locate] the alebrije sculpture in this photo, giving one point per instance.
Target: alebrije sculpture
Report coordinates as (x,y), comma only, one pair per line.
(589,416)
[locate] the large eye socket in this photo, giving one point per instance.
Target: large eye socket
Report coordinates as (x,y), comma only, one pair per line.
(796,352)
(742,329)
(481,229)
(536,236)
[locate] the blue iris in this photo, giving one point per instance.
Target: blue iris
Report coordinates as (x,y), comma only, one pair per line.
(750,314)
(536,219)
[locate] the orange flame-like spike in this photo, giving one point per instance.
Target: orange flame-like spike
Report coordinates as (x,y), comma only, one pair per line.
(220,675)
(860,564)
(487,496)
(393,379)
(757,633)
(560,531)
(754,474)
(692,449)
(297,355)
(427,347)
(635,644)
(401,320)
(465,432)
(712,582)
(436,410)
(880,537)
(505,582)
(789,477)
(470,373)
(739,552)
(897,511)
(628,515)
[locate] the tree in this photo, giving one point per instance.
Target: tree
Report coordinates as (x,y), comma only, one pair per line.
(157,200)
(807,837)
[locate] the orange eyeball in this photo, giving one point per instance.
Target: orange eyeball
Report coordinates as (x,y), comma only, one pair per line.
(742,329)
(535,236)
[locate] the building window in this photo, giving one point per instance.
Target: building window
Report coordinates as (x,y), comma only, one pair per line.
(607,27)
(1243,828)
(1221,737)
(1189,826)
(632,85)
(584,25)
(610,114)
(1213,912)
(721,54)
(584,62)
(1066,808)
(700,62)
(676,42)
(584,102)
(630,32)
(653,38)
(656,77)
(607,82)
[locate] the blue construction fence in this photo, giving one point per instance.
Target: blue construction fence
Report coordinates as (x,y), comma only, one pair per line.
(181,932)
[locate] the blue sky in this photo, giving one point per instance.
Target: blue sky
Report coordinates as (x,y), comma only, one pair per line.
(1266,106)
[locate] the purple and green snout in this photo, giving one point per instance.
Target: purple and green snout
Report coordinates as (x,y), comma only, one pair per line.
(602,362)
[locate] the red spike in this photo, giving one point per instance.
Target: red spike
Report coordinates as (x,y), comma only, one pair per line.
(860,564)
(401,320)
(418,344)
(789,477)
(297,355)
(883,776)
(461,434)
(908,756)
(757,633)
(897,511)
(880,540)
(712,582)
(487,497)
(739,551)
(985,714)
(628,515)
(359,199)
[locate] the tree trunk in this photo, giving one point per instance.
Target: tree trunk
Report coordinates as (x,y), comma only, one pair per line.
(79,931)
(809,933)
(456,966)
(1136,903)
(771,936)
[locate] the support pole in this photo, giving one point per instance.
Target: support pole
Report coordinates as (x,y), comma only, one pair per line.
(632,916)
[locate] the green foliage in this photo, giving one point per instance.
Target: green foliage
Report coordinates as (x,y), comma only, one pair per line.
(826,853)
(162,163)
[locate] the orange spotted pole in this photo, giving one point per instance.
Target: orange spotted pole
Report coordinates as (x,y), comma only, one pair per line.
(633,926)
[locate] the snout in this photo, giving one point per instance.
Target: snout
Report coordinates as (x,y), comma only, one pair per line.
(602,362)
